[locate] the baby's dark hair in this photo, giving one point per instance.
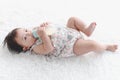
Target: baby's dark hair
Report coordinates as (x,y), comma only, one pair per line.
(12,45)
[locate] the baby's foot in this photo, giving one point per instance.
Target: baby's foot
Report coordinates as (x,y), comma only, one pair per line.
(90,28)
(112,48)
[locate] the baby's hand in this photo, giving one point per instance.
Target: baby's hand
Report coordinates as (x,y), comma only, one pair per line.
(45,24)
(41,30)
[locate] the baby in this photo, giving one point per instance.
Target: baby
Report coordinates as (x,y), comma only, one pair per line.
(60,41)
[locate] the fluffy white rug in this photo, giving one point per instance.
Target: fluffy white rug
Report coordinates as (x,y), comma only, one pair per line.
(92,66)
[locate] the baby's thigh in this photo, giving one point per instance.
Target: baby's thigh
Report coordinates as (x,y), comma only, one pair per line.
(81,47)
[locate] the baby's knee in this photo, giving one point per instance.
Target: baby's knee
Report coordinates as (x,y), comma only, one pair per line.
(72,18)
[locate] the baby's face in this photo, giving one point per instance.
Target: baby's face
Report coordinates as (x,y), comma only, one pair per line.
(25,38)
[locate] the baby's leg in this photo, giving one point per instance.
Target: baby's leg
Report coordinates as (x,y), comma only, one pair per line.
(85,46)
(77,24)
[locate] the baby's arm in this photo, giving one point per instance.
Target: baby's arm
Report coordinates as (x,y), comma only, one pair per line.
(46,45)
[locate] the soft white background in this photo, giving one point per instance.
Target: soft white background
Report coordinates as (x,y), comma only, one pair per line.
(30,13)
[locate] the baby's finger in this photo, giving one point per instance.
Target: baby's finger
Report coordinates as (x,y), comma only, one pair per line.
(43,24)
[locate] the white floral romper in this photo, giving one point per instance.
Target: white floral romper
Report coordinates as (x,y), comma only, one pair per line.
(63,41)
